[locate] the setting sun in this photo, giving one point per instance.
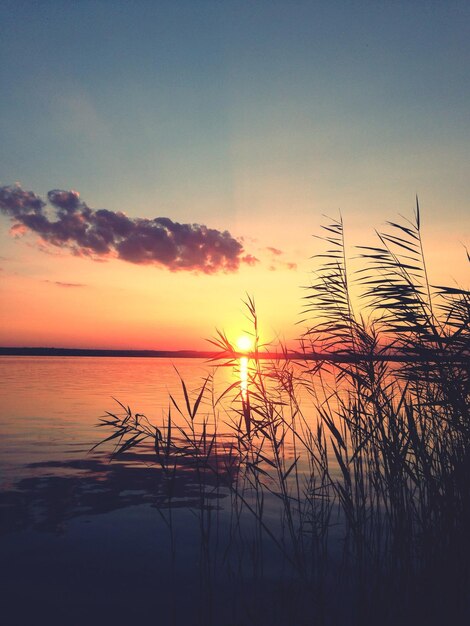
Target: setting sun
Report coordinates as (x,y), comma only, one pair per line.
(244,343)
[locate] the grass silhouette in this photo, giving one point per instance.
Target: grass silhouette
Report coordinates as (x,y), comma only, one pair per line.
(371,475)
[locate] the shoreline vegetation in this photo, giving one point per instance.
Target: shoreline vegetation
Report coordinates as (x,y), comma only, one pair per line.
(370,475)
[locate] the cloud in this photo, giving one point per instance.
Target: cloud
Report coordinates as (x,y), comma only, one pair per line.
(62,284)
(274,251)
(68,223)
(249,259)
(282,265)
(275,261)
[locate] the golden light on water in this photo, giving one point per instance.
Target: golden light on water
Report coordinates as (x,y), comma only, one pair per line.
(244,345)
(244,377)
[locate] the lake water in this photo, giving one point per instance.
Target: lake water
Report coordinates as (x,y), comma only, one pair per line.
(51,405)
(87,541)
(199,533)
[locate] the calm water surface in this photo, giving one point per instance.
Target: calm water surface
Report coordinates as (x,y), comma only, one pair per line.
(84,540)
(89,541)
(51,405)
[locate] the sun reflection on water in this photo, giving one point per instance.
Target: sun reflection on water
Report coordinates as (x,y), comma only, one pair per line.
(244,377)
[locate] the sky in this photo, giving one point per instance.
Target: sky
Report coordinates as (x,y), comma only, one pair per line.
(160,160)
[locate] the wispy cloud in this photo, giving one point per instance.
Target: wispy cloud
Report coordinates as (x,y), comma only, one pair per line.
(277,263)
(68,223)
(283,266)
(59,283)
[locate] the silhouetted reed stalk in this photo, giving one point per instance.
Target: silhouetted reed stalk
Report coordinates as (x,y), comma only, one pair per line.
(368,459)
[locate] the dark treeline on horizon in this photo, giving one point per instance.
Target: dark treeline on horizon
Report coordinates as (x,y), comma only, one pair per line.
(212,355)
(25,351)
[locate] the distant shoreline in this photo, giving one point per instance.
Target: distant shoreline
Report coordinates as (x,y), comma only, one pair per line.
(177,354)
(153,354)
(198,354)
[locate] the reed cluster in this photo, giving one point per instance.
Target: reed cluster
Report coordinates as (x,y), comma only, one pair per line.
(364,444)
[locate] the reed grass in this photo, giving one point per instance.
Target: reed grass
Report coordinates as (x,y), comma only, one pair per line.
(371,475)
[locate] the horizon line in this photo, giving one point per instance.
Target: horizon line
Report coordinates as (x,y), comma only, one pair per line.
(339,357)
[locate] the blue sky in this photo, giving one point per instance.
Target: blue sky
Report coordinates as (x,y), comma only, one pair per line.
(127,99)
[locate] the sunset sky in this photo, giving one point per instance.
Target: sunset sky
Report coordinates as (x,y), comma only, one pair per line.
(238,124)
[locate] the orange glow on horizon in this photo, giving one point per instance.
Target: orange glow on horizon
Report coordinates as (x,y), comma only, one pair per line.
(71,302)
